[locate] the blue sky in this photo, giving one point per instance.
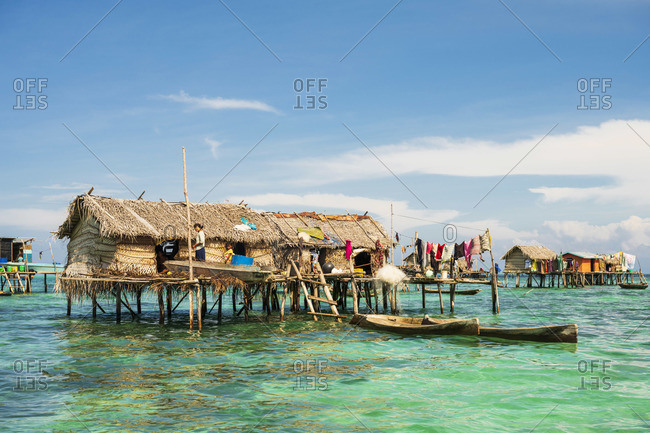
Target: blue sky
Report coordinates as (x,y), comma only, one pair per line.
(450,96)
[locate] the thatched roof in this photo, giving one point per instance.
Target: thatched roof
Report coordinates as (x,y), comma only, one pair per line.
(532,252)
(130,219)
(361,230)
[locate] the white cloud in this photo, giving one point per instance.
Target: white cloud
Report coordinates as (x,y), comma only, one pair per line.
(629,234)
(214,145)
(611,150)
(219,103)
(33,219)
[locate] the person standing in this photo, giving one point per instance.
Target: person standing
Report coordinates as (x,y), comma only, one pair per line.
(199,246)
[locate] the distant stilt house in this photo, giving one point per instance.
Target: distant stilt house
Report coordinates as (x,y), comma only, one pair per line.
(121,235)
(584,262)
(522,258)
(326,235)
(12,248)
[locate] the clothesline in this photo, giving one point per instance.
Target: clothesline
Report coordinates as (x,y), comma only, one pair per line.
(439,222)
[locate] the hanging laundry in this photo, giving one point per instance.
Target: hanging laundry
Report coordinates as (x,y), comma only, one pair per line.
(629,261)
(403,249)
(476,246)
(429,248)
(348,250)
(439,250)
(459,250)
(397,237)
(419,251)
(486,241)
(468,253)
(447,252)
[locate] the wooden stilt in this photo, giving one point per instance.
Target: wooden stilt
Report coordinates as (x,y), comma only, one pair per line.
(204,302)
(246,295)
(355,300)
(219,308)
(94,299)
(442,309)
(138,298)
(169,303)
(118,304)
(45,281)
(161,306)
(69,305)
(191,298)
(199,306)
(422,289)
(384,296)
(452,297)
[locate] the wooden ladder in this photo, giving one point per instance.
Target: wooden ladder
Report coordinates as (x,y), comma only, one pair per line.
(14,278)
(329,300)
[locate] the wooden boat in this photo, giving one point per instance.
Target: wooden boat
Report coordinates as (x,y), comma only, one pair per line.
(416,325)
(633,286)
(555,334)
(5,293)
(457,292)
(246,273)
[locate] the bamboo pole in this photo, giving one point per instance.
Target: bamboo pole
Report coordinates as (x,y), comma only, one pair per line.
(392,247)
(189,238)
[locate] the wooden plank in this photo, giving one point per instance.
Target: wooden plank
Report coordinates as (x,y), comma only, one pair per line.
(327,301)
(338,316)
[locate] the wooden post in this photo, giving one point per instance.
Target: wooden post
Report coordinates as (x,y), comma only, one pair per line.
(69,304)
(452,296)
(189,221)
(392,261)
(169,303)
(495,289)
(219,310)
(423,297)
(394,290)
(161,306)
(45,281)
(118,304)
(199,306)
(442,310)
(94,298)
(204,303)
(246,295)
(191,298)
(138,297)
(355,300)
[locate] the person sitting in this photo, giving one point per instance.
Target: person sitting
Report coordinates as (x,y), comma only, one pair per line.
(199,246)
(228,255)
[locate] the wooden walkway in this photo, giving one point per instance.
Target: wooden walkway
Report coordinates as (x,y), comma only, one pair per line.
(568,279)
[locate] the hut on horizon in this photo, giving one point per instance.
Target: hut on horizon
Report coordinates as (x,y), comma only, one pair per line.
(121,234)
(524,258)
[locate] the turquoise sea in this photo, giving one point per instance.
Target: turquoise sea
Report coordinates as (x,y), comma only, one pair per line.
(63,374)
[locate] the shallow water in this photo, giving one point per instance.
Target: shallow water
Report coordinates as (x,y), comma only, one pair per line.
(301,375)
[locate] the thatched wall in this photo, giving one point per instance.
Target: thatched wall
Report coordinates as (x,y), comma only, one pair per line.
(215,252)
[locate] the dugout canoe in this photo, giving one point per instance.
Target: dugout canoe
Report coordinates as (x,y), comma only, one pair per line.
(416,325)
(633,286)
(457,292)
(246,273)
(551,334)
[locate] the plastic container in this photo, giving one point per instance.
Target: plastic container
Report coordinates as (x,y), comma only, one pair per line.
(241,260)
